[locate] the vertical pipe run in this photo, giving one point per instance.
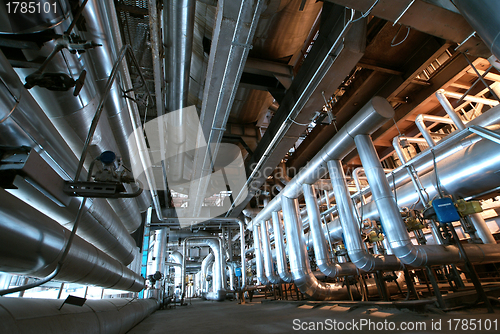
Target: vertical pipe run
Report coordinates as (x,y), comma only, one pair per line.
(268,259)
(352,235)
(160,250)
(382,194)
(280,249)
(259,260)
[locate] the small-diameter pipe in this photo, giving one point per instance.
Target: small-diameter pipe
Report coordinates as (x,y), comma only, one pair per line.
(323,259)
(472,98)
(449,109)
(259,260)
(268,259)
(355,246)
(280,249)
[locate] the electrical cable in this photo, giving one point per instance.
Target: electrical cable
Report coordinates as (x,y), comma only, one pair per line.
(438,187)
(397,34)
(367,12)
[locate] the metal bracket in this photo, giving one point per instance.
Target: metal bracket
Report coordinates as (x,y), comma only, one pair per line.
(243,45)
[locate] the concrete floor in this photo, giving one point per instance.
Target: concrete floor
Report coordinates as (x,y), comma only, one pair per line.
(286,317)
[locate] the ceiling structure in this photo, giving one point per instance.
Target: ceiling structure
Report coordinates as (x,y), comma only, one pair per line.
(226,113)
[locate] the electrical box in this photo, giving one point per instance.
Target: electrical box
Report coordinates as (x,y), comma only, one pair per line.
(446,211)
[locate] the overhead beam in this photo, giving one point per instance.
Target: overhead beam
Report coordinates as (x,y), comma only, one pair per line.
(324,69)
(431,18)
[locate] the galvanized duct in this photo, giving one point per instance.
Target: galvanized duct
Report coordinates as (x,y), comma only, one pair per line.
(32,243)
(46,18)
(106,316)
(27,125)
(178,19)
(390,216)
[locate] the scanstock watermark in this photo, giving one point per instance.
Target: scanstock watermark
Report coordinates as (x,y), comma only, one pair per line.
(178,157)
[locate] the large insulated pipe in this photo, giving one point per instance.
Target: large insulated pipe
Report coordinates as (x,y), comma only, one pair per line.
(279,243)
(103,27)
(356,248)
(300,267)
(394,227)
(367,120)
(178,18)
(27,125)
(207,261)
(323,259)
(482,230)
(72,116)
(482,15)
(106,316)
(268,259)
(259,259)
(32,244)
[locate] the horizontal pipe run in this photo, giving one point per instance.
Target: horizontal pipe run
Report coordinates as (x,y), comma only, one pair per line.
(32,244)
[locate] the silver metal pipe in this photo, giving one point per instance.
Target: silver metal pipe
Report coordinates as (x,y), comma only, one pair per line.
(207,261)
(259,259)
(178,19)
(356,248)
(471,98)
(279,243)
(371,117)
(323,259)
(482,15)
(215,244)
(482,230)
(160,251)
(300,267)
(449,109)
(32,244)
(220,220)
(28,125)
(178,259)
(394,227)
(105,316)
(268,259)
(425,131)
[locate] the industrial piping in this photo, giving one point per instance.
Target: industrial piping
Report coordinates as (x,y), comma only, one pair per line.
(394,227)
(32,244)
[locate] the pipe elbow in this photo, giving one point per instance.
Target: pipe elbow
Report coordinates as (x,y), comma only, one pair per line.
(411,255)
